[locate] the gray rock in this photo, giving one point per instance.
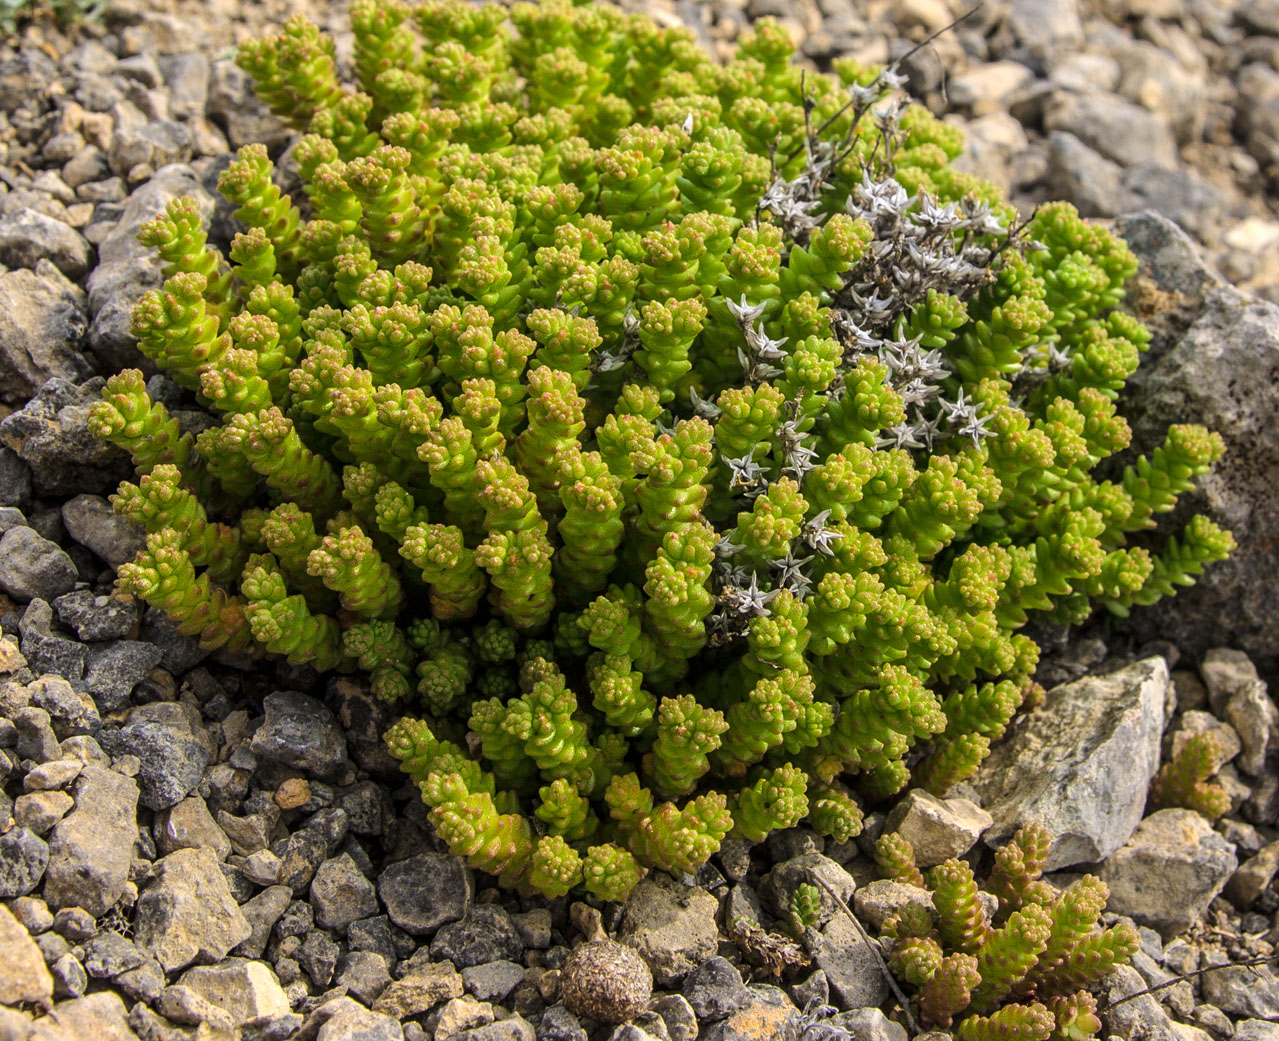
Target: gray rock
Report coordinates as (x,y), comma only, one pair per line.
(40,811)
(559,1024)
(1253,876)
(157,143)
(27,237)
(115,669)
(1046,26)
(126,269)
(876,900)
(50,433)
(341,894)
(70,712)
(300,732)
(302,852)
(187,912)
(234,107)
(36,740)
(671,925)
(46,651)
(43,320)
(262,912)
(869,1024)
(180,652)
(15,479)
(1257,122)
(187,77)
(485,934)
(108,954)
(1078,174)
(32,566)
(1193,203)
(1117,129)
(1139,1018)
(91,521)
(1081,764)
(23,859)
(89,164)
(318,956)
(1256,1030)
(1169,871)
(715,990)
(1241,992)
(853,972)
(1204,378)
(493,980)
(25,74)
(814,868)
(427,891)
(937,829)
(364,974)
(172,758)
(91,848)
(189,825)
(98,616)
(517,1028)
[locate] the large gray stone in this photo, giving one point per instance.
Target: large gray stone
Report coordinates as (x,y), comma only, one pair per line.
(1169,871)
(1223,372)
(91,849)
(1080,765)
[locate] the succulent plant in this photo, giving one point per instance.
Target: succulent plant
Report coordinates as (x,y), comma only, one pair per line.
(680,444)
(1019,973)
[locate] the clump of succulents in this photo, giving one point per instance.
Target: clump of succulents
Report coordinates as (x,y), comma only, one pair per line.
(1184,781)
(680,444)
(1021,972)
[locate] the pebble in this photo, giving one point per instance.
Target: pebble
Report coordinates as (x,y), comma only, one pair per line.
(300,732)
(419,991)
(426,891)
(188,912)
(32,567)
(243,990)
(23,859)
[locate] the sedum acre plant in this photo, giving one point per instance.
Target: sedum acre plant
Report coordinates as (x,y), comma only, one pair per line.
(1019,975)
(681,444)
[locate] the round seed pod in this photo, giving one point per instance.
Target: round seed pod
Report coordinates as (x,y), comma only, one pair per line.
(605,981)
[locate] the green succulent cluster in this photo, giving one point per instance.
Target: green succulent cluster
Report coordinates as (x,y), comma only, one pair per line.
(1184,782)
(681,444)
(1018,974)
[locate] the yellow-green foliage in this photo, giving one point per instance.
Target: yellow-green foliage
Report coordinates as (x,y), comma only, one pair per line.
(678,443)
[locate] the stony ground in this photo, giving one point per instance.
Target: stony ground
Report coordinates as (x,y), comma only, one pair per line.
(190,848)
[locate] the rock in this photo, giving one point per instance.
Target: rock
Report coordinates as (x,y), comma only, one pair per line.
(1046,27)
(235,107)
(50,433)
(1253,876)
(244,990)
(182,1005)
(189,825)
(1117,129)
(1169,871)
(23,859)
(187,912)
(28,237)
(1202,378)
(485,934)
(757,1022)
(419,991)
(32,567)
(308,847)
(99,1016)
(36,740)
(351,1021)
(869,1024)
(461,1014)
(53,775)
(1078,174)
(318,956)
(814,868)
(851,968)
(25,978)
(46,651)
(300,732)
(671,925)
(607,982)
(876,900)
(97,616)
(937,829)
(559,1024)
(69,978)
(427,891)
(157,143)
(173,760)
(43,319)
(126,269)
(92,522)
(1256,1030)
(15,479)
(114,670)
(1080,765)
(493,980)
(364,974)
(714,990)
(109,954)
(1138,1018)
(70,713)
(985,89)
(1197,205)
(340,894)
(262,912)
(91,849)
(1242,992)
(1257,122)
(40,811)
